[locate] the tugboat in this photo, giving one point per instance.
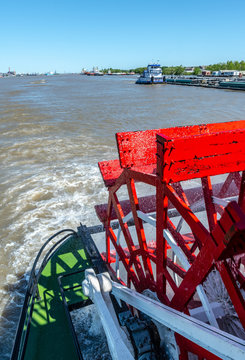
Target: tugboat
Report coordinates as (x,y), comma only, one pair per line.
(152,75)
(170,255)
(95,72)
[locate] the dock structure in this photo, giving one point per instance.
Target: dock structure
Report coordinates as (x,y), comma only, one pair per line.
(208,82)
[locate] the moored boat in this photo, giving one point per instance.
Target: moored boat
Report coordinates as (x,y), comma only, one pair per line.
(152,75)
(95,72)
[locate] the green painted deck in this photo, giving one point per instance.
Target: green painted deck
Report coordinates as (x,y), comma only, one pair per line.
(50,336)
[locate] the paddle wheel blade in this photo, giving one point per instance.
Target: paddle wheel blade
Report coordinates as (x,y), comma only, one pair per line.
(183,190)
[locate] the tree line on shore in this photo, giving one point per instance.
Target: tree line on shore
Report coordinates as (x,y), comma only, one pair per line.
(229,65)
(180,69)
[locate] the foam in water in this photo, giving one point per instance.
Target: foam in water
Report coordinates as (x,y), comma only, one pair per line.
(40,206)
(90,333)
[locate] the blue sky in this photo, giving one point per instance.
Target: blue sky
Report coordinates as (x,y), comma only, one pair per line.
(40,36)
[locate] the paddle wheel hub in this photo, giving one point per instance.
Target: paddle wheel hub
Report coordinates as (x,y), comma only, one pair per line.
(194,177)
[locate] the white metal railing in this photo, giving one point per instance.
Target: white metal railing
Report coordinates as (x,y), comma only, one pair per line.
(223,202)
(216,341)
(98,288)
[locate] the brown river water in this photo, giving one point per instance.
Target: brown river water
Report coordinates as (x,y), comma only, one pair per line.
(54,130)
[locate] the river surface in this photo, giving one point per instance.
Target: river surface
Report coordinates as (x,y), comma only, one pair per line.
(54,130)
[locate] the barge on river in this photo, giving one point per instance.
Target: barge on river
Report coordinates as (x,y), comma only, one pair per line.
(170,255)
(214,83)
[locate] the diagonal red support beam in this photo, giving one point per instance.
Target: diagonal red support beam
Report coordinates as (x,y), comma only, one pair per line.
(124,259)
(233,290)
(184,210)
(129,240)
(212,252)
(140,230)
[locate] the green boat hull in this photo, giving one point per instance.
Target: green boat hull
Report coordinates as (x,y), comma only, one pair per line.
(47,331)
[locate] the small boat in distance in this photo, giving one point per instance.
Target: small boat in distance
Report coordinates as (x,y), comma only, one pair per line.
(152,75)
(95,72)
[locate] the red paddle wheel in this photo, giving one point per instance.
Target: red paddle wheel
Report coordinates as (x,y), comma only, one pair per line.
(196,176)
